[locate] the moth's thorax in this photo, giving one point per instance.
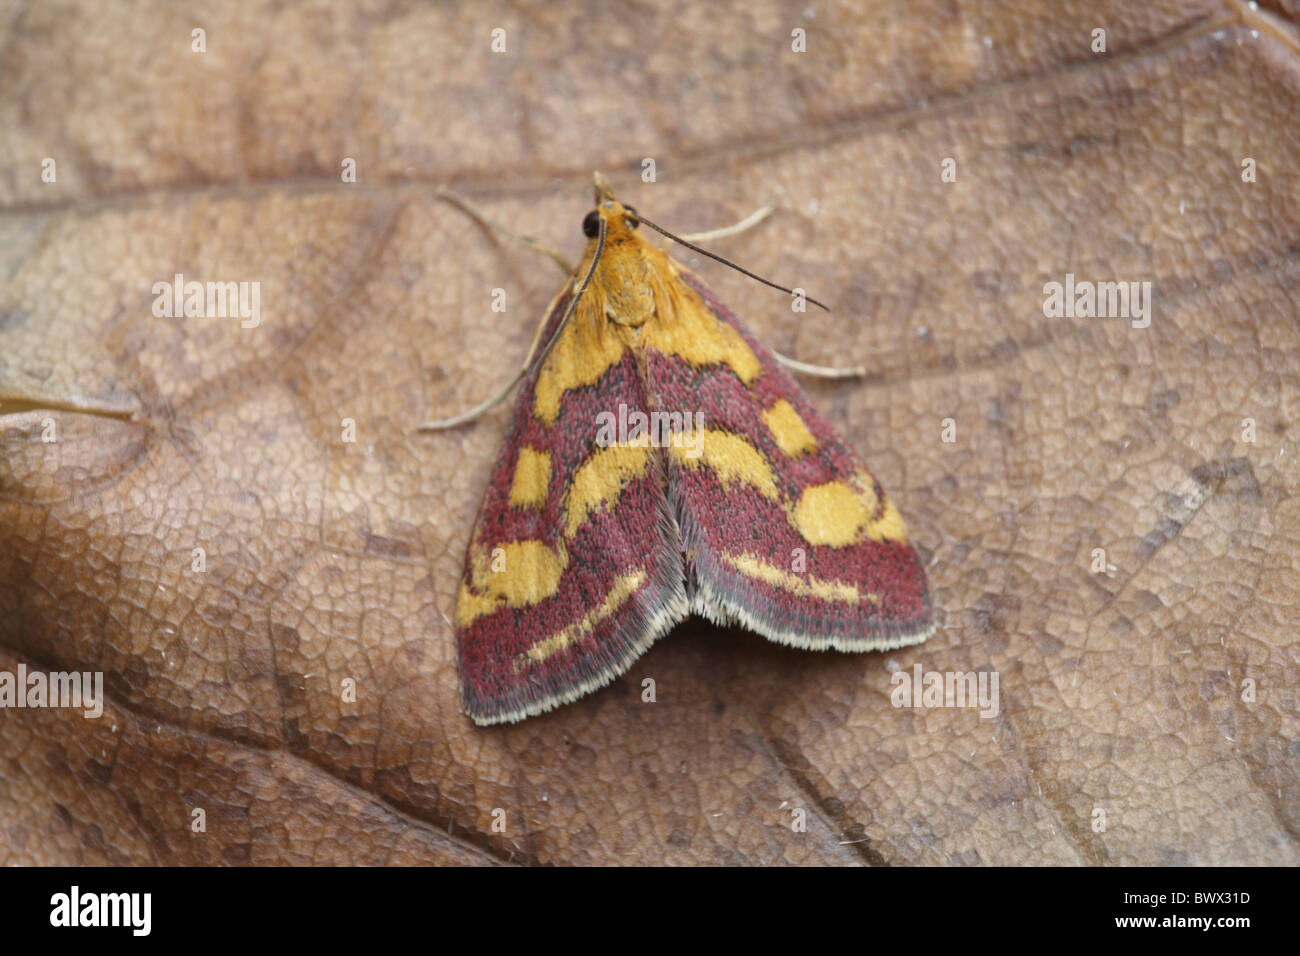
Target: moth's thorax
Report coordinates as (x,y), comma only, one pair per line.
(629,287)
(628,279)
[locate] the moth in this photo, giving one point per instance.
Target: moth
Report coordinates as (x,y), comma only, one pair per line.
(660,463)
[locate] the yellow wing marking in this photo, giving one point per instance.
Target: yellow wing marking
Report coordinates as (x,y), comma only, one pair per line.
(839,515)
(733,459)
(517,574)
(600,480)
(625,585)
(532,480)
(791,434)
(811,586)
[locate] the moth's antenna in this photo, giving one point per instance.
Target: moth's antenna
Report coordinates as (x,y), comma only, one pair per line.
(725,262)
(478,410)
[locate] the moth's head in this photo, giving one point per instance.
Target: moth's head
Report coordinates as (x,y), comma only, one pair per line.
(620,220)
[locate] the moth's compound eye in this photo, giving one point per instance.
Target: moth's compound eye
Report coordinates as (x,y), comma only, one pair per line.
(591,225)
(632,220)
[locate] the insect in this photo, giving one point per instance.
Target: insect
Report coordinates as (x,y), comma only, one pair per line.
(661,462)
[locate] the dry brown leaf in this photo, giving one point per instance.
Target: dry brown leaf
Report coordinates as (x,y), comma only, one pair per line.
(1120,692)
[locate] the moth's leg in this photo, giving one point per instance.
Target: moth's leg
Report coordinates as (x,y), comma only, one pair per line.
(753,219)
(477,214)
(535,356)
(468,416)
(439,424)
(819,371)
